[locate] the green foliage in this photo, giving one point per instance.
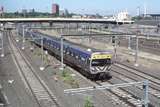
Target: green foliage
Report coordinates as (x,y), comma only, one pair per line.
(88,102)
(69,79)
(27,15)
(128,60)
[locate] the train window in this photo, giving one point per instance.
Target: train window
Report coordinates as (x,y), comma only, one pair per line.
(67,51)
(72,54)
(77,56)
(83,59)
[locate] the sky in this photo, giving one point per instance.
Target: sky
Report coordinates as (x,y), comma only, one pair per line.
(104,7)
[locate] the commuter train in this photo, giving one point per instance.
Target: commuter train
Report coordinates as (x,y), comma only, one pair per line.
(94,64)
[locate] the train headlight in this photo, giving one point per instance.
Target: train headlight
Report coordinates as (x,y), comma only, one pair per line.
(92,68)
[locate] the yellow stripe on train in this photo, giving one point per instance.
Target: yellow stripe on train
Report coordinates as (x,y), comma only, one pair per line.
(103,56)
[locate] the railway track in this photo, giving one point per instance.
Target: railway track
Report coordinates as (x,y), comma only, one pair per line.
(39,90)
(120,96)
(154,80)
(125,97)
(154,91)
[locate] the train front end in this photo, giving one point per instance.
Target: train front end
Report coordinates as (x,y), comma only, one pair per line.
(100,64)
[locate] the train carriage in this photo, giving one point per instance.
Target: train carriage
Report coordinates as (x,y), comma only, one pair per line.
(95,64)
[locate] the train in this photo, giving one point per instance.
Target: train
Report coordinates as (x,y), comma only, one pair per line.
(94,64)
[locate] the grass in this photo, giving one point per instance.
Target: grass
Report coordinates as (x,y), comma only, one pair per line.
(88,102)
(66,75)
(67,78)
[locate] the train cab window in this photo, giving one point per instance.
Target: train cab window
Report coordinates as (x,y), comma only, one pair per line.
(88,60)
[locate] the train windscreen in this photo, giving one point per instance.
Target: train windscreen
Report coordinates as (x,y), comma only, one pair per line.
(100,62)
(101,59)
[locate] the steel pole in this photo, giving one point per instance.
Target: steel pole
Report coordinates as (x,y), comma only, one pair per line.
(136,55)
(42,62)
(129,42)
(146,90)
(2,54)
(17,39)
(115,49)
(89,33)
(23,40)
(61,53)
(68,28)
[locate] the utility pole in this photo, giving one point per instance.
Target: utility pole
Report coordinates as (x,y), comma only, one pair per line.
(42,63)
(68,28)
(146,90)
(115,49)
(136,54)
(61,53)
(129,42)
(2,44)
(23,41)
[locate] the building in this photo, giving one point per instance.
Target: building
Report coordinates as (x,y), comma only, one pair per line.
(1,10)
(24,12)
(32,11)
(55,9)
(122,16)
(153,16)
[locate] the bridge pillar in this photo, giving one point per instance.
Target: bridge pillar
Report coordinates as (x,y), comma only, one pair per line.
(50,24)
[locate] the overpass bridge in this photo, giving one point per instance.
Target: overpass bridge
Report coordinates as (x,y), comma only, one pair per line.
(63,20)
